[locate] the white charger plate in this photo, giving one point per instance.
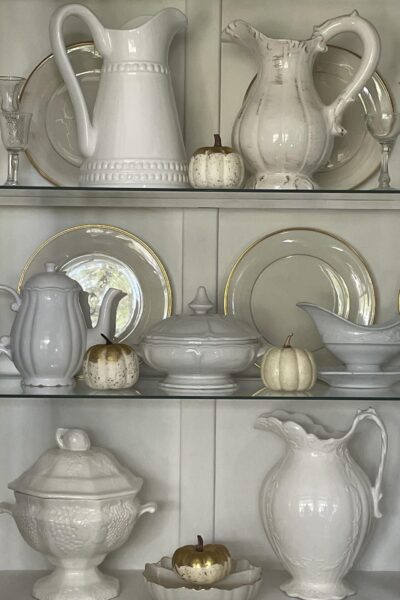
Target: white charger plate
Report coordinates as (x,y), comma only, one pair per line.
(288,266)
(104,256)
(347,379)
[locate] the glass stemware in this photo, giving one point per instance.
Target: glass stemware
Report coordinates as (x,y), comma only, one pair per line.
(384,128)
(10,89)
(14,132)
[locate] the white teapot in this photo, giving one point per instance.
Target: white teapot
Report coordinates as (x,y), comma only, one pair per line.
(50,334)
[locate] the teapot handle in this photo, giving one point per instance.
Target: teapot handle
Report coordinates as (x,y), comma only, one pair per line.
(5,339)
(371,53)
(85,130)
(370,414)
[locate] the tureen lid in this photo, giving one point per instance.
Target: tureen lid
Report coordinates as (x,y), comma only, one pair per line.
(201,326)
(51,278)
(77,470)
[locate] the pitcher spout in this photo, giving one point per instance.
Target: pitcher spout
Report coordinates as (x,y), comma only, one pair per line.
(166,24)
(106,323)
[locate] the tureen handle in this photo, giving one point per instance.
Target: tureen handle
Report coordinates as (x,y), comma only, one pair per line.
(370,414)
(76,440)
(150,507)
(6,508)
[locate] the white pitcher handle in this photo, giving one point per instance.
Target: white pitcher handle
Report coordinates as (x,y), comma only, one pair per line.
(5,339)
(85,130)
(371,415)
(371,53)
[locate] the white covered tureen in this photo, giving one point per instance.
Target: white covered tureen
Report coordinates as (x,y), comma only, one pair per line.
(200,351)
(76,504)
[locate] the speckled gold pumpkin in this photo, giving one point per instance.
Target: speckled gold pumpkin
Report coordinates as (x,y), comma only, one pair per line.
(202,564)
(110,366)
(216,166)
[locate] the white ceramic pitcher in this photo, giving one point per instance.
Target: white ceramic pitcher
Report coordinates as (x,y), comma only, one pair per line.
(317,505)
(283,130)
(134,137)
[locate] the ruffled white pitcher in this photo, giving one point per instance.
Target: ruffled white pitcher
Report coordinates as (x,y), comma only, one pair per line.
(317,505)
(283,130)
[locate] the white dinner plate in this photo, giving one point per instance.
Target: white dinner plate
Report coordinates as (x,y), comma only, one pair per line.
(347,379)
(103,256)
(52,146)
(355,156)
(293,265)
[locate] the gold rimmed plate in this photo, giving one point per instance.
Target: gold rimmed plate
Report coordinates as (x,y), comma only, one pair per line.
(52,147)
(102,256)
(289,266)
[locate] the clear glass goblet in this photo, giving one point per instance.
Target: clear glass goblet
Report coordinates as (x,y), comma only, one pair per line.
(10,89)
(14,133)
(384,128)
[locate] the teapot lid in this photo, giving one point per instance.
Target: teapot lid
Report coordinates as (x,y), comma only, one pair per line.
(77,470)
(51,278)
(201,326)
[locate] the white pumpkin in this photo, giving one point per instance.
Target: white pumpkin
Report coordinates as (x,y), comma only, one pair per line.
(216,167)
(288,369)
(110,366)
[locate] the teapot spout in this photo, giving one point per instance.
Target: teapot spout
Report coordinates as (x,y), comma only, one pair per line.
(107,318)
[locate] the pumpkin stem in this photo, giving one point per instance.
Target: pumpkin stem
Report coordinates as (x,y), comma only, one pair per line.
(287,341)
(217,140)
(108,341)
(200,544)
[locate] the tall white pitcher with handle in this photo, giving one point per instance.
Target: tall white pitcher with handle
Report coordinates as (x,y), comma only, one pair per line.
(134,137)
(317,504)
(284,131)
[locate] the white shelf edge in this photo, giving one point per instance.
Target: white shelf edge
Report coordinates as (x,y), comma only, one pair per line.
(220,199)
(370,586)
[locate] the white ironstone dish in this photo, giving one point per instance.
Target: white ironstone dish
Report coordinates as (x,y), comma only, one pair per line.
(361,348)
(165,584)
(200,351)
(360,380)
(76,504)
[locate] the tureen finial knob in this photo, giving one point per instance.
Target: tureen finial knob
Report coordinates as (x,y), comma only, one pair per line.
(201,303)
(76,440)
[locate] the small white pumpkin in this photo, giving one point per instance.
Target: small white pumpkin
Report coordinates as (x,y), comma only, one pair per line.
(216,166)
(110,366)
(288,369)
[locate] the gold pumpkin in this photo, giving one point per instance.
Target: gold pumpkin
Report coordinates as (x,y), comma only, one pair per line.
(288,369)
(110,366)
(202,564)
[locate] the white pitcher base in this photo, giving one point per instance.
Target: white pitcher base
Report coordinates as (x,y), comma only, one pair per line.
(315,591)
(278,181)
(151,173)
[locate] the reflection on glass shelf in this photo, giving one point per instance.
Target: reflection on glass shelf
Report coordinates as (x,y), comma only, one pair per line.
(251,388)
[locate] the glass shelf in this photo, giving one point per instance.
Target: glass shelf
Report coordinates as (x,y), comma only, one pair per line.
(369,585)
(191,198)
(248,389)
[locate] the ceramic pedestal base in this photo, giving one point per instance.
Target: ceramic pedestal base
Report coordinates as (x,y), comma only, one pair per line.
(287,181)
(313,591)
(198,382)
(65,584)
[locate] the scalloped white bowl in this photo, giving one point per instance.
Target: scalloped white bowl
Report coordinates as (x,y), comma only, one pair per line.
(164,584)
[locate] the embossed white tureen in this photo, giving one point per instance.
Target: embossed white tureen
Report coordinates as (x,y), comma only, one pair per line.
(76,504)
(200,351)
